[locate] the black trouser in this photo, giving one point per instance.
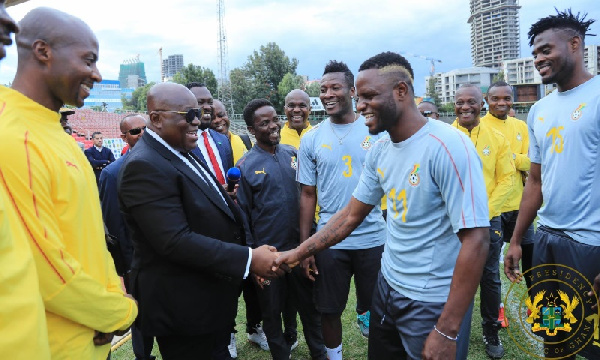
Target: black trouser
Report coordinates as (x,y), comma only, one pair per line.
(509,221)
(570,267)
(198,347)
(142,345)
(489,285)
(253,312)
(272,300)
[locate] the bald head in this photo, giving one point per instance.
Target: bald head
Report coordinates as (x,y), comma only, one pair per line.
(57,59)
(169,96)
(297,94)
(54,27)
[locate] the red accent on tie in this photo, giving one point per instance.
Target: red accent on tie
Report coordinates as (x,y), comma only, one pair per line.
(213,159)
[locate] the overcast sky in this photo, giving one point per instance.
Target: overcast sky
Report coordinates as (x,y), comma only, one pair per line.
(312,31)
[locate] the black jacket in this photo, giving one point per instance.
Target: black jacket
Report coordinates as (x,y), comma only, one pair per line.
(188,260)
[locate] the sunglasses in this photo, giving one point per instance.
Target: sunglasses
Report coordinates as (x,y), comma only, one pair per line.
(190,115)
(427,113)
(135,131)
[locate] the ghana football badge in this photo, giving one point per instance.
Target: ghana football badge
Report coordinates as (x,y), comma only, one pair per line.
(413,178)
(294,163)
(486,150)
(367,142)
(576,114)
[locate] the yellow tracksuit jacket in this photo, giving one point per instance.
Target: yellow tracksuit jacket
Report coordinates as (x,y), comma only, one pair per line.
(54,188)
(516,133)
(498,166)
(23,331)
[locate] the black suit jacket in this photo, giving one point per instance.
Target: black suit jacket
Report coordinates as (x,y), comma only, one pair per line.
(188,260)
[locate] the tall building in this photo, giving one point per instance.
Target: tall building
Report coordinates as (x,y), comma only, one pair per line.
(107,95)
(494,31)
(447,83)
(132,67)
(171,65)
(591,56)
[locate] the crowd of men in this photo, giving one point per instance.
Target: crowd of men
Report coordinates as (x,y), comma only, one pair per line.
(305,217)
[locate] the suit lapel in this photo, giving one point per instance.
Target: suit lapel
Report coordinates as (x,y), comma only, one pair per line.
(196,151)
(207,189)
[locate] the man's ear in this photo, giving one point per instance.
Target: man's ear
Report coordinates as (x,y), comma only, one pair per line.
(575,43)
(41,51)
(401,90)
(155,120)
(250,129)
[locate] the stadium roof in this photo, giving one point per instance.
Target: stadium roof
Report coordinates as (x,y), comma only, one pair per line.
(14,2)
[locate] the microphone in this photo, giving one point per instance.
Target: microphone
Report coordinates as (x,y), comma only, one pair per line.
(233,176)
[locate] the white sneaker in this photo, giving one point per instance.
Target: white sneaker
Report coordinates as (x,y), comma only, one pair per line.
(259,338)
(232,347)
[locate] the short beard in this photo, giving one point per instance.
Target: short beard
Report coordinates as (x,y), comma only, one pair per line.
(204,125)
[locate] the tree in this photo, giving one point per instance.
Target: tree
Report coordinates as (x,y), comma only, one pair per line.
(498,77)
(195,73)
(138,100)
(260,76)
(431,93)
(313,89)
(289,83)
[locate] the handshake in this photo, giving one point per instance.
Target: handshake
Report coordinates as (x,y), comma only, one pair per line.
(268,263)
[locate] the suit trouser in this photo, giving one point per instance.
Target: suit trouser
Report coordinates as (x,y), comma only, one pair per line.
(272,300)
(142,345)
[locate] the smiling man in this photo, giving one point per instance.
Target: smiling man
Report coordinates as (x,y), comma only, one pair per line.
(189,235)
(297,109)
(54,187)
(330,160)
(563,188)
(500,99)
(498,174)
(213,148)
(437,238)
(270,196)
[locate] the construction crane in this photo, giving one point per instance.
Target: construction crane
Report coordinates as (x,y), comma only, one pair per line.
(432,61)
(162,72)
(224,89)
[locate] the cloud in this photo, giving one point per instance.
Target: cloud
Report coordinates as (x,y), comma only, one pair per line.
(312,31)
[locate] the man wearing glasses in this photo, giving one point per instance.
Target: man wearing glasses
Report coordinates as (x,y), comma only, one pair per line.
(132,127)
(428,109)
(188,233)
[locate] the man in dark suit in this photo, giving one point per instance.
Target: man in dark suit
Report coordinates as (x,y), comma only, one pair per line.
(213,147)
(132,127)
(188,234)
(98,155)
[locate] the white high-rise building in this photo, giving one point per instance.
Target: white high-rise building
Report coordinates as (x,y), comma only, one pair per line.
(494,31)
(591,56)
(447,83)
(171,65)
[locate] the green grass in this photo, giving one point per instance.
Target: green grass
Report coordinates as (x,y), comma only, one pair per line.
(355,346)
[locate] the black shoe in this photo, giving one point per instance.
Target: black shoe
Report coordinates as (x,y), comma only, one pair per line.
(493,345)
(291,340)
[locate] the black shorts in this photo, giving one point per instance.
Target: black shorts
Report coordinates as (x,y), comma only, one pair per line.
(399,325)
(554,251)
(336,268)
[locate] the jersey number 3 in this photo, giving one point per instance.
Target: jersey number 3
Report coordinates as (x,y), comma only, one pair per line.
(348,162)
